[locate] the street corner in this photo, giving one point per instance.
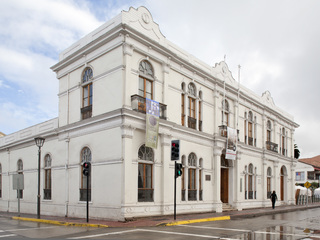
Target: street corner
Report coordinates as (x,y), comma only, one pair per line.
(185,222)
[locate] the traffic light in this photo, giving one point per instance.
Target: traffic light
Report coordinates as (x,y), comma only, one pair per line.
(175,150)
(86,168)
(178,168)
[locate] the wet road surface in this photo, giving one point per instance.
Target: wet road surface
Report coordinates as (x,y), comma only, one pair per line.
(293,225)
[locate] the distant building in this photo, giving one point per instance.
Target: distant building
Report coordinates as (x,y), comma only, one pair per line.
(308,169)
(2,134)
(125,92)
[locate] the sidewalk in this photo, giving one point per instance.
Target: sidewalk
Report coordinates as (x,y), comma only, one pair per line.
(159,220)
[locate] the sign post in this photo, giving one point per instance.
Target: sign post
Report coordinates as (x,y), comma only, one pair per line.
(18,184)
(307,185)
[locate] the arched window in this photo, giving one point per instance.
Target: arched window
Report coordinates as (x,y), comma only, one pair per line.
(225,113)
(183,114)
(192,121)
(87,93)
(85,180)
(146,77)
(0,180)
(20,171)
(269,174)
(145,174)
(192,184)
(47,177)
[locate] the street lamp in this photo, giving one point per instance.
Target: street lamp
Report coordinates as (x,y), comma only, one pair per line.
(39,142)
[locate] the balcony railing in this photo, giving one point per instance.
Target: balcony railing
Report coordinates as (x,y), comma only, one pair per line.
(192,195)
(192,123)
(223,132)
(283,151)
(269,194)
(83,194)
(272,146)
(200,125)
(138,104)
(145,195)
(86,112)
(47,194)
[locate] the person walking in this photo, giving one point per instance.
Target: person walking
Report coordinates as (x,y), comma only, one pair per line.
(273,198)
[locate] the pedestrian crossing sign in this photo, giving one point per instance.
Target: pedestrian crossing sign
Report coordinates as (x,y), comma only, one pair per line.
(307,184)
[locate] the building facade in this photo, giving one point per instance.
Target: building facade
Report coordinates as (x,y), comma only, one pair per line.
(105,80)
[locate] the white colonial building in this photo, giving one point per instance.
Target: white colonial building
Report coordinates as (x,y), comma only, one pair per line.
(104,80)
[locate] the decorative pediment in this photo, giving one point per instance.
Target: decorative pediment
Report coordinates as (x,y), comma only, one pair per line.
(223,72)
(267,99)
(141,19)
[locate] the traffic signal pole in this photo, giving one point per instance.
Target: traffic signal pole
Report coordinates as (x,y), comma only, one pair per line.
(87,198)
(175,155)
(175,192)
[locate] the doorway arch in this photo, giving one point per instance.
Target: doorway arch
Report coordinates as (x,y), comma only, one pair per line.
(283,177)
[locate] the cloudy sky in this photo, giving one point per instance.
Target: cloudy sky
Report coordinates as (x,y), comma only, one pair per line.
(277,44)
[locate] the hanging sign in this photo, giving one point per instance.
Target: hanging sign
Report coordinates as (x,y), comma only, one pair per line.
(231,148)
(152,123)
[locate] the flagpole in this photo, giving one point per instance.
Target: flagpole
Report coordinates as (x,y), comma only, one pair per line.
(224,97)
(238,99)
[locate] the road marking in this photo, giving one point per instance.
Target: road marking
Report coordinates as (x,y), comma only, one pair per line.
(61,223)
(105,234)
(216,228)
(154,231)
(10,235)
(195,221)
(244,230)
(183,234)
(26,229)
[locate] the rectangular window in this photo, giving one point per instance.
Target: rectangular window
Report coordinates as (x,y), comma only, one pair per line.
(192,189)
(268,187)
(145,186)
(145,88)
(200,185)
(182,110)
(192,108)
(183,187)
(310,175)
(250,134)
(47,183)
(87,95)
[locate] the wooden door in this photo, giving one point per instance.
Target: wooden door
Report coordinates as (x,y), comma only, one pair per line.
(282,188)
(224,185)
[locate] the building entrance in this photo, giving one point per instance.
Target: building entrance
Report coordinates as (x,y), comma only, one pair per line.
(224,190)
(224,180)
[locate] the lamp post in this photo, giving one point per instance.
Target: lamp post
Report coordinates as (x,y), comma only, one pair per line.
(39,142)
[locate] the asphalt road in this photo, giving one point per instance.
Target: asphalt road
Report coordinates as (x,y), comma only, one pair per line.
(293,225)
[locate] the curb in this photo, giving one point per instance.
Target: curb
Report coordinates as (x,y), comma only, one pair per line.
(60,222)
(193,221)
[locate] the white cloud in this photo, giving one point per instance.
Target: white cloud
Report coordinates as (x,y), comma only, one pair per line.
(276,44)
